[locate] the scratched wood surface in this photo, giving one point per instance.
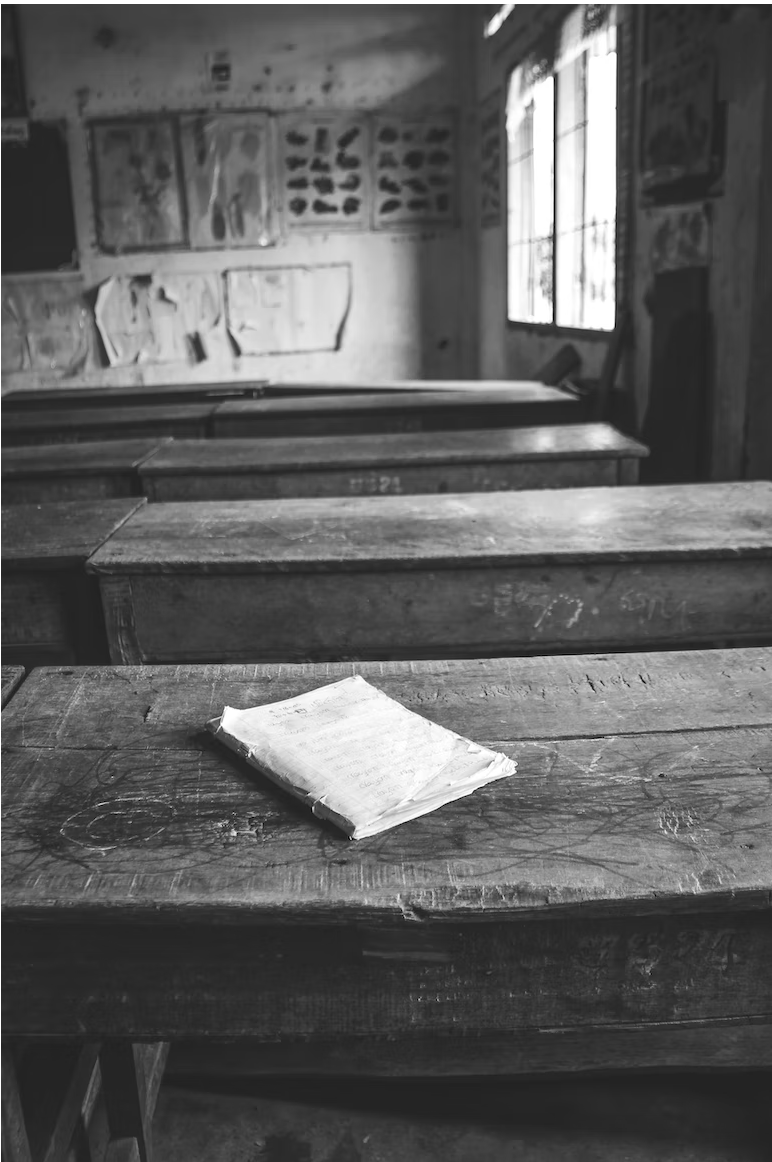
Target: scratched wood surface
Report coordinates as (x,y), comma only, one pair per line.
(524,404)
(60,535)
(12,678)
(80,425)
(426,576)
(554,456)
(97,470)
(51,609)
(626,867)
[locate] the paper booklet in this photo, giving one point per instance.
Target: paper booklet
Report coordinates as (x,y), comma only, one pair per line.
(357,757)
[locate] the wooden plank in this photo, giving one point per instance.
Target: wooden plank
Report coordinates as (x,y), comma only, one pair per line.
(558,456)
(131,395)
(54,1082)
(622,795)
(625,867)
(13,676)
(89,471)
(124,1098)
(14,1131)
(123,1150)
(77,425)
(51,610)
(525,404)
(60,535)
(428,576)
(704,1048)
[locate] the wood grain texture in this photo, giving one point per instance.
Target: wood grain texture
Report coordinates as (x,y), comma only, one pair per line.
(51,610)
(643,783)
(60,535)
(557,456)
(440,576)
(522,405)
(581,526)
(89,471)
(54,1081)
(12,678)
(618,884)
(76,425)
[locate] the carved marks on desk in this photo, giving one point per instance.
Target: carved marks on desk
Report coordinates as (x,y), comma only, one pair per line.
(605,819)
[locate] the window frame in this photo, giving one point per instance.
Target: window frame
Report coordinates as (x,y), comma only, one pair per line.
(624,135)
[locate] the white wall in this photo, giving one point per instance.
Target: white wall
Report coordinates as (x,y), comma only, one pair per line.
(413,306)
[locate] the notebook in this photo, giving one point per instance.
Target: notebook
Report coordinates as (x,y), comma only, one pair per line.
(357,757)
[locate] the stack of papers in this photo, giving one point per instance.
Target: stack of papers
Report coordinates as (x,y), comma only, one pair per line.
(357,757)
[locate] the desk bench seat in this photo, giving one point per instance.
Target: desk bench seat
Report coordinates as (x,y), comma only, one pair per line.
(488,460)
(453,575)
(90,471)
(607,905)
(486,406)
(52,611)
(83,425)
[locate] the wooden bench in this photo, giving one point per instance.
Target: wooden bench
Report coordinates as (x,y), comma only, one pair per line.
(12,678)
(131,395)
(457,575)
(555,456)
(93,471)
(51,607)
(608,906)
(83,425)
(521,405)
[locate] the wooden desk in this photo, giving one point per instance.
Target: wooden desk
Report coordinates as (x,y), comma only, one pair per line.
(524,405)
(555,456)
(12,678)
(459,575)
(81,425)
(93,471)
(137,394)
(606,907)
(51,608)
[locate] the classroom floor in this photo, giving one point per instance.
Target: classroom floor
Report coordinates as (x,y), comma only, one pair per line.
(634,1119)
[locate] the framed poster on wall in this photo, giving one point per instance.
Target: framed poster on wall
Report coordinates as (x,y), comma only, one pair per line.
(136,182)
(229,179)
(414,171)
(324,167)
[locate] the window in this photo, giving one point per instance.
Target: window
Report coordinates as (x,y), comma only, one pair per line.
(562,178)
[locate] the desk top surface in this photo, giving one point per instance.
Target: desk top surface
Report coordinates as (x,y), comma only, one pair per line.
(412,397)
(288,454)
(86,459)
(667,522)
(643,785)
(61,533)
(68,419)
(11,680)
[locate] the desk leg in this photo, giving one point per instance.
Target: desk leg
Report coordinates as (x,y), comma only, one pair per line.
(15,1142)
(124,1100)
(131,1078)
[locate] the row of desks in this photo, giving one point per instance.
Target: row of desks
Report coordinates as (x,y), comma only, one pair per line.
(606,907)
(553,456)
(483,406)
(454,575)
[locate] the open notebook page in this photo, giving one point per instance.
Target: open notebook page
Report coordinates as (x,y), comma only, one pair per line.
(359,757)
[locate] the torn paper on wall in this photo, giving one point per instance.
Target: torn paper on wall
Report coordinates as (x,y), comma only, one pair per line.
(161,318)
(46,325)
(282,310)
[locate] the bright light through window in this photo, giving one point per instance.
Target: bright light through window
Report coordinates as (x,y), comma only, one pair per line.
(498,18)
(561,184)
